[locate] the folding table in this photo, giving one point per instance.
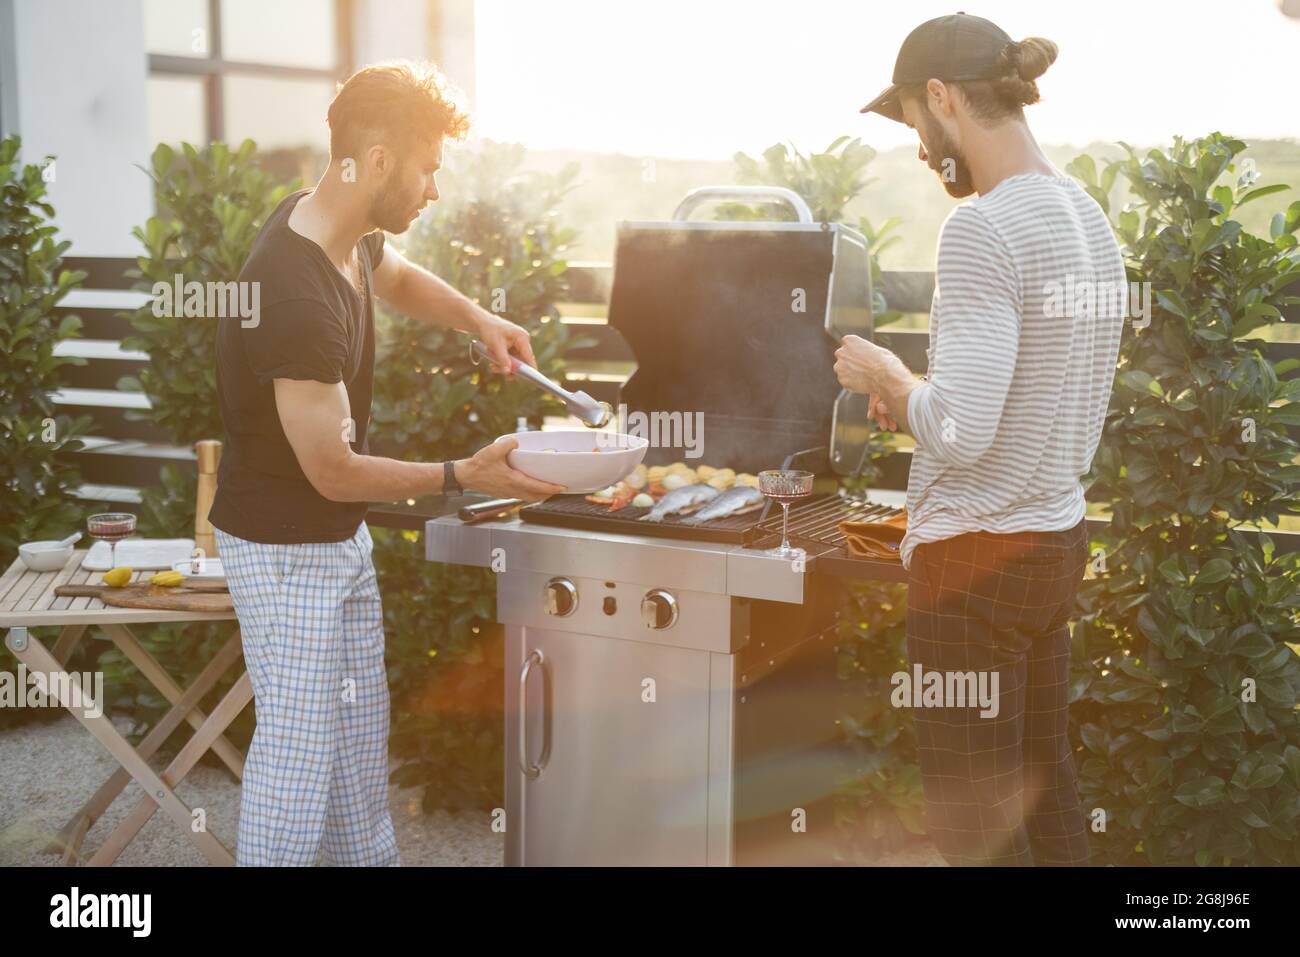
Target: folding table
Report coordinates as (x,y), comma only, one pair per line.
(27,600)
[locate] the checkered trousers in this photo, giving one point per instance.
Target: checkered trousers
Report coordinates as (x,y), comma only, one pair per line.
(999,790)
(315,781)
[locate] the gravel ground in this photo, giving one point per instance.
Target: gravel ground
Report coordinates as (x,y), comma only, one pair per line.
(49,769)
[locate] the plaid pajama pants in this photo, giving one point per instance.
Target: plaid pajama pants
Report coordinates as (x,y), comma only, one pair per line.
(999,790)
(316,779)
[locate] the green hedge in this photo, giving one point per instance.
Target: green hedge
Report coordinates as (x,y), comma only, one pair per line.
(36,479)
(1185,667)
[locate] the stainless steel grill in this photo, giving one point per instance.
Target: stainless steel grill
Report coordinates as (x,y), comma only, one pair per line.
(671,695)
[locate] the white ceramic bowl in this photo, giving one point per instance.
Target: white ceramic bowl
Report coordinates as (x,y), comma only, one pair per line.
(45,556)
(583,460)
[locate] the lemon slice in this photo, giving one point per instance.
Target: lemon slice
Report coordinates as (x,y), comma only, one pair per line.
(117,577)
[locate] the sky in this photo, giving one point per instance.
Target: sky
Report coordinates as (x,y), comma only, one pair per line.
(704,78)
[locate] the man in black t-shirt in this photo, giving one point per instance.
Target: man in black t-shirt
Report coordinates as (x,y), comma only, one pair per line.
(295,383)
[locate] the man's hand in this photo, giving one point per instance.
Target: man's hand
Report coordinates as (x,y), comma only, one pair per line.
(501,336)
(876,409)
(862,366)
(488,471)
(859,364)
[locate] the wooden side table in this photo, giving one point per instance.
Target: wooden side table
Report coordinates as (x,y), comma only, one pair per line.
(27,600)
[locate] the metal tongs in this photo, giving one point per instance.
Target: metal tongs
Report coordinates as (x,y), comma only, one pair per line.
(592,414)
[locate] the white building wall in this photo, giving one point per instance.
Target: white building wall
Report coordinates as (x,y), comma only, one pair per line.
(73,85)
(72,78)
(437,30)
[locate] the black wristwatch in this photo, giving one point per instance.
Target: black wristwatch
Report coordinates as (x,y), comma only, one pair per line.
(449,484)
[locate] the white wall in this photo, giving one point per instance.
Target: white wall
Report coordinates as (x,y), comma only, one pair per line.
(73,85)
(438,30)
(453,38)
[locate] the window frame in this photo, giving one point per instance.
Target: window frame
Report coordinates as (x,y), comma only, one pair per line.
(214,67)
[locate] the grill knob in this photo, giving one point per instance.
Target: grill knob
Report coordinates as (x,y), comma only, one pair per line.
(561,597)
(658,609)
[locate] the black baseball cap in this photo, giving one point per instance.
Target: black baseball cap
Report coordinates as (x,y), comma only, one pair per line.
(956,47)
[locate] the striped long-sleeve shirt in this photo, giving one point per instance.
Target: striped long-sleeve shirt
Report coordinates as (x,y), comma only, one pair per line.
(1029,305)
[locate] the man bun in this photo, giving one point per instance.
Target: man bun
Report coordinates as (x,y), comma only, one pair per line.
(1018,66)
(1033,56)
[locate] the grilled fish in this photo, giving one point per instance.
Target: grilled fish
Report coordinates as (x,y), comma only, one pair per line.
(733,501)
(679,500)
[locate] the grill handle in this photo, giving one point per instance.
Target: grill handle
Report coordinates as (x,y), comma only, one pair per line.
(742,194)
(533,771)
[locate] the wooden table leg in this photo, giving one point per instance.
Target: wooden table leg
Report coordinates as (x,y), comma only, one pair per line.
(149,667)
(68,639)
(226,711)
(34,655)
(67,839)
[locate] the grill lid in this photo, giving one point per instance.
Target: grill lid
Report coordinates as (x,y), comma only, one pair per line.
(738,322)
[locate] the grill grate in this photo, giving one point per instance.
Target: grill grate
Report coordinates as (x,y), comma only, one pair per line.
(817,521)
(574,511)
(814,521)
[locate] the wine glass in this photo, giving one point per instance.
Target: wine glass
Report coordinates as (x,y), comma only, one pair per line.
(785,486)
(111,527)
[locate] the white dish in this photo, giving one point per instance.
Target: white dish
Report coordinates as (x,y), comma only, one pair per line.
(45,556)
(211,570)
(582,460)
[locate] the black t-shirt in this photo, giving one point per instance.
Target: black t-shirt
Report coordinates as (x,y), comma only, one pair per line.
(312,325)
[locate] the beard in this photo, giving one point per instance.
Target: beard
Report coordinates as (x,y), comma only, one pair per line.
(947,161)
(391,211)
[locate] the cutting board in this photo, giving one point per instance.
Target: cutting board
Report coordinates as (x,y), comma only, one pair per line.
(196,597)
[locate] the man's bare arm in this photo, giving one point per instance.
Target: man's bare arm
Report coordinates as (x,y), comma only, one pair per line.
(415,292)
(316,419)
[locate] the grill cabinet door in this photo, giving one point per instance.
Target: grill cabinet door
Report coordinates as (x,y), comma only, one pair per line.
(626,780)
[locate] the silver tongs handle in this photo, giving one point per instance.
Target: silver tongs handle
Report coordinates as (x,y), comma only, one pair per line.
(592,413)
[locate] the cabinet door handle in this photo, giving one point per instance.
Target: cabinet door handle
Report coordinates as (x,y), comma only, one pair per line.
(533,771)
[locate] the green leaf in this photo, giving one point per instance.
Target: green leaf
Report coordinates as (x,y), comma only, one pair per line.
(1141,381)
(1213,571)
(1262,191)
(1200,792)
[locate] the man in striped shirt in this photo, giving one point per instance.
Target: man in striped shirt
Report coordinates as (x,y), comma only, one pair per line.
(1029,304)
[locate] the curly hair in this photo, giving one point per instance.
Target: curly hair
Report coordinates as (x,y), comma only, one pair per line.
(1012,87)
(396,103)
